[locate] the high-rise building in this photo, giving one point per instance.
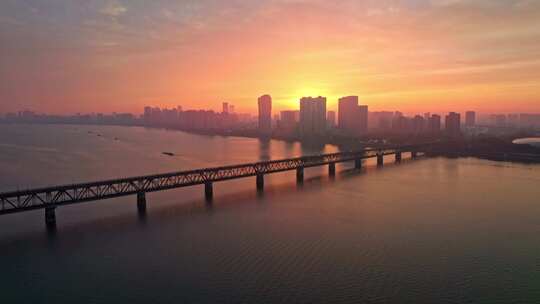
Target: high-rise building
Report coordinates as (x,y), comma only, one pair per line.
(331,119)
(352,118)
(435,123)
(147,116)
(513,120)
(529,120)
(453,124)
(265,114)
(418,124)
(231,109)
(288,121)
(347,108)
(362,118)
(312,116)
(225,108)
(499,120)
(470,118)
(380,120)
(401,124)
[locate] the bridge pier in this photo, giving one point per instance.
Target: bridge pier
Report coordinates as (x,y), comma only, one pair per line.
(380,159)
(358,163)
(50,217)
(332,169)
(414,154)
(260,182)
(398,156)
(300,175)
(141,202)
(208,191)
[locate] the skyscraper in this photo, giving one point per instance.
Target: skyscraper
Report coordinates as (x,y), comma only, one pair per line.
(312,116)
(362,117)
(265,115)
(453,124)
(347,108)
(225,108)
(352,118)
(288,121)
(418,124)
(435,123)
(470,118)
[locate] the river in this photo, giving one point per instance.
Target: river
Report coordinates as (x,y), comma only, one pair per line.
(432,230)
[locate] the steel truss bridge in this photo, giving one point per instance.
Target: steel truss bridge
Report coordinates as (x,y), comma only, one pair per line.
(50,197)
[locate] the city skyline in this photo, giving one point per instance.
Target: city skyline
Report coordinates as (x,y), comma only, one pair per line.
(416,56)
(276,151)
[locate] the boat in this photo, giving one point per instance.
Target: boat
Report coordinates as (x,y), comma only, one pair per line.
(168,153)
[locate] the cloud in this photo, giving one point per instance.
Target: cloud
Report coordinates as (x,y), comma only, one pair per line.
(113,9)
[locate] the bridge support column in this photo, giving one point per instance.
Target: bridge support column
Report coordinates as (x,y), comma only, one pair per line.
(260,182)
(398,156)
(141,202)
(358,163)
(300,175)
(414,154)
(380,159)
(332,169)
(50,217)
(208,191)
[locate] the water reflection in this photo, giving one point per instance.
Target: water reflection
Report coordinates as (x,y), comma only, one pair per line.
(264,149)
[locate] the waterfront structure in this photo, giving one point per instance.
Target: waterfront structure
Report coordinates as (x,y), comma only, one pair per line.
(312,116)
(265,115)
(470,118)
(453,124)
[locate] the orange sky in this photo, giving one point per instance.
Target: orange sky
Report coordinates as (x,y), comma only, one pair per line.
(413,56)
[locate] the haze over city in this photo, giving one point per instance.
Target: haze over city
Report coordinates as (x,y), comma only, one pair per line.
(413,56)
(269,151)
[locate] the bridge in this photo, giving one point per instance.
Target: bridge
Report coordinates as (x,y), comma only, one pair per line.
(51,197)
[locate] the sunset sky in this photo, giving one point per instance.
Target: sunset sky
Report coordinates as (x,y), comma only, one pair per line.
(415,56)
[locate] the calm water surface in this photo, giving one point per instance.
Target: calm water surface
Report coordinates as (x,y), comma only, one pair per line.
(426,231)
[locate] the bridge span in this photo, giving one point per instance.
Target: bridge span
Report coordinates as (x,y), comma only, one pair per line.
(51,197)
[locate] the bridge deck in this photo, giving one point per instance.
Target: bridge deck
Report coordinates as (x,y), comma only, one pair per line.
(18,201)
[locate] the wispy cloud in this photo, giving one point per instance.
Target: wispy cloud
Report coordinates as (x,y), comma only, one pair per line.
(194,50)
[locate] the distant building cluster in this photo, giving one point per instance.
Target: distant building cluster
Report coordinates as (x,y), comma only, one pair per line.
(354,119)
(94,118)
(514,120)
(199,120)
(311,120)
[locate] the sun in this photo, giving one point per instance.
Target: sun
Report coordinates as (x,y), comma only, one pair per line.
(291,99)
